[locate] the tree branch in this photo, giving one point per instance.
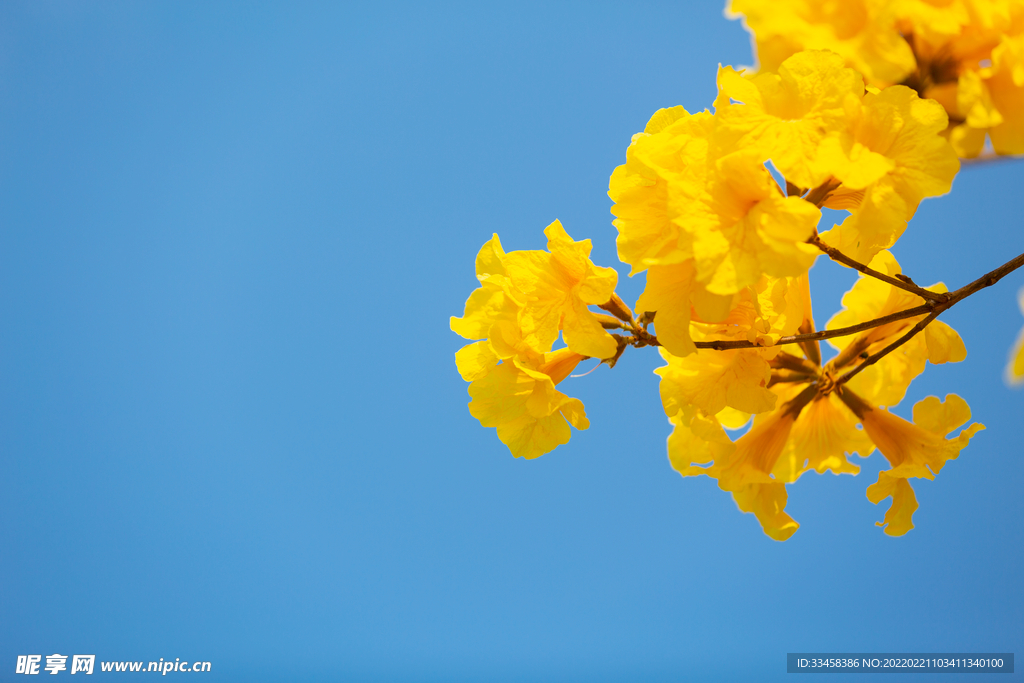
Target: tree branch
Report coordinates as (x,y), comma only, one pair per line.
(986,280)
(959,295)
(875,357)
(840,257)
(823,334)
(641,337)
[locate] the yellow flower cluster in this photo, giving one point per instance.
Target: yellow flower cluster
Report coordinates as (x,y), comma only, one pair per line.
(966,54)
(697,207)
(721,212)
(524,299)
(807,427)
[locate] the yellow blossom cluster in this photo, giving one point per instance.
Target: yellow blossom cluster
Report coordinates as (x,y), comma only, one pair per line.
(524,299)
(805,425)
(720,211)
(966,54)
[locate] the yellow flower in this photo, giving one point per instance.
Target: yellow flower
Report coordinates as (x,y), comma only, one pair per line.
(757,452)
(803,422)
(531,416)
(966,54)
(885,383)
(914,450)
(475,360)
(957,31)
(557,286)
(822,436)
(888,41)
(817,125)
(744,468)
(768,503)
(492,313)
(807,431)
(713,380)
(668,293)
(761,314)
(493,301)
(786,116)
(969,58)
(863,32)
(709,389)
(512,373)
(1015,368)
(697,439)
(665,168)
(992,100)
(705,225)
(898,518)
(890,159)
(681,195)
(743,227)
(932,23)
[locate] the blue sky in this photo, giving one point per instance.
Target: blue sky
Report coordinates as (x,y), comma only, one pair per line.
(231,427)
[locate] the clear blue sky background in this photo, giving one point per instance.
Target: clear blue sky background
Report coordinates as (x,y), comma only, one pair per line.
(231,428)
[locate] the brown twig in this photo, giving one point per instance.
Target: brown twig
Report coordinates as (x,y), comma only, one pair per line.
(610,323)
(787,361)
(856,348)
(905,283)
(811,349)
(875,357)
(986,280)
(823,334)
(818,195)
(791,378)
(617,307)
